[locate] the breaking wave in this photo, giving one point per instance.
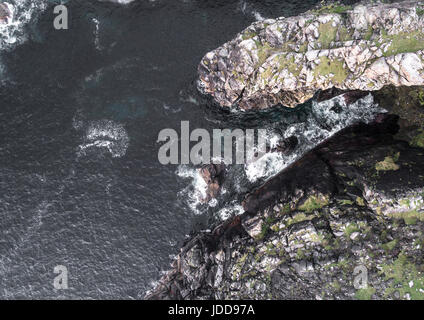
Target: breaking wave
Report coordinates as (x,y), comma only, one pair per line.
(248,10)
(196,190)
(105,134)
(12,31)
(233,209)
(22,12)
(325,119)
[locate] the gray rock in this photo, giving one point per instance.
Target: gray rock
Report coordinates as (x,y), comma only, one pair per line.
(287,60)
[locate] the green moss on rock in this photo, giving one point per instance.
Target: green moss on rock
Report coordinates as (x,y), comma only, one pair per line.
(360,202)
(369,33)
(248,35)
(410,217)
(404,42)
(345,202)
(327,34)
(388,164)
(333,69)
(407,278)
(333,8)
(389,246)
(351,228)
(365,293)
(418,140)
(345,34)
(289,63)
(264,52)
(266,227)
(300,217)
(314,203)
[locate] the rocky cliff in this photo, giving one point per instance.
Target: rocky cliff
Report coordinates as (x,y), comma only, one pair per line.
(286,60)
(353,205)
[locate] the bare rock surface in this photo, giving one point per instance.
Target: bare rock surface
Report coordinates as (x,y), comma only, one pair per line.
(213,175)
(286,60)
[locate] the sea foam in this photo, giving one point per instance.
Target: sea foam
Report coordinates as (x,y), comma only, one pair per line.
(325,119)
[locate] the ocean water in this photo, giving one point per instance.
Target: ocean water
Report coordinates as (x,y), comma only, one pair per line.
(80,113)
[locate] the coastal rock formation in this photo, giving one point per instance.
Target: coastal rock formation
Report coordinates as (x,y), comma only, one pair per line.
(4,13)
(286,60)
(118,1)
(354,204)
(213,175)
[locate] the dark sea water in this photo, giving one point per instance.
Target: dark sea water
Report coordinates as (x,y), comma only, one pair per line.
(80,113)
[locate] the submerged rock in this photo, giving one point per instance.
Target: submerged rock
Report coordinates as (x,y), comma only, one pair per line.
(286,60)
(286,146)
(213,175)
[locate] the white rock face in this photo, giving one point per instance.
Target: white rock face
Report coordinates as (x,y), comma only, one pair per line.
(287,60)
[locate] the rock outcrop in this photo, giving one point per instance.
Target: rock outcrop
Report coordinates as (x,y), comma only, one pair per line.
(354,204)
(286,60)
(4,13)
(213,175)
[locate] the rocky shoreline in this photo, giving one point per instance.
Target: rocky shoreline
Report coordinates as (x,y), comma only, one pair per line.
(286,60)
(354,202)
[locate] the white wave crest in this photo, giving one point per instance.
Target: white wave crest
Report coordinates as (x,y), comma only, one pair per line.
(326,119)
(97,34)
(248,10)
(233,209)
(22,12)
(196,190)
(105,134)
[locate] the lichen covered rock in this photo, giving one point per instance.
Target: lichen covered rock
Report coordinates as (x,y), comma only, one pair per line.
(308,232)
(286,60)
